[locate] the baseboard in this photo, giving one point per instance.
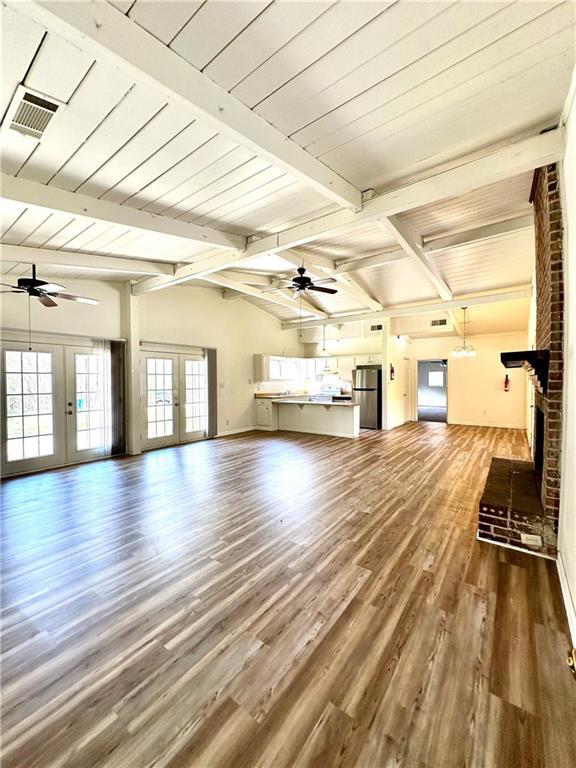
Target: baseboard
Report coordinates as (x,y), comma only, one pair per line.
(569,598)
(235,431)
(459,423)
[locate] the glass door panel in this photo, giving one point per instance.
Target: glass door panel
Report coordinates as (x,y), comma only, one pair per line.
(32,400)
(160,382)
(194,415)
(89,403)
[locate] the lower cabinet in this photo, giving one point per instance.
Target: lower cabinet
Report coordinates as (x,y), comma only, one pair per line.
(266,415)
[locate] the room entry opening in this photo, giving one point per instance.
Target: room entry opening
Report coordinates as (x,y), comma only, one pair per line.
(59,405)
(432,390)
(176,398)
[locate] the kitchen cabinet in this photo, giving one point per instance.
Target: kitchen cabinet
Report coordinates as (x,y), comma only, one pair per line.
(266,415)
(345,367)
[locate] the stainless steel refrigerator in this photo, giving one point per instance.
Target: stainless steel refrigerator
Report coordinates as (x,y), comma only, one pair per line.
(367,389)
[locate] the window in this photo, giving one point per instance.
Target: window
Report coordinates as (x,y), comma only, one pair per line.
(159,385)
(435,378)
(29,405)
(196,396)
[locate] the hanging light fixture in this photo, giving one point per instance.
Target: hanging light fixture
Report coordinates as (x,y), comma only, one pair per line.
(464,350)
(324,352)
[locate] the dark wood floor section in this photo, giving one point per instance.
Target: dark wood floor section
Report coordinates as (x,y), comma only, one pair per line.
(280,601)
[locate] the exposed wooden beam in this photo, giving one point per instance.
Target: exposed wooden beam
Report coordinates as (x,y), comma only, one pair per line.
(369,262)
(251,278)
(442,242)
(193,271)
(406,240)
(54,199)
(274,297)
(317,266)
(423,308)
(495,166)
(109,35)
(84,261)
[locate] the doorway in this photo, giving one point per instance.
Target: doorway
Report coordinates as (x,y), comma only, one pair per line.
(175,398)
(432,390)
(58,406)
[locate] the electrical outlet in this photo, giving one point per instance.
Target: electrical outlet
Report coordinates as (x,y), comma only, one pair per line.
(531,539)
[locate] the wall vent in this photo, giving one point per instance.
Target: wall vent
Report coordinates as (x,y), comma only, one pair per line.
(30,113)
(440,321)
(375,327)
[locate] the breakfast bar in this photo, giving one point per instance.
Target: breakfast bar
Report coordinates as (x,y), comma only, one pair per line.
(338,419)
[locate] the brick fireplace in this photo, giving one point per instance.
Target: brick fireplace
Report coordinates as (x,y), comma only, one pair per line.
(522,498)
(549,335)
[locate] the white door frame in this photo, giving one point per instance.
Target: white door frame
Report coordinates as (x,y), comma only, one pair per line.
(59,456)
(75,454)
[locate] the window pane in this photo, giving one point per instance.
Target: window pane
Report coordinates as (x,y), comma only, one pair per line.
(31,449)
(14,450)
(14,427)
(44,362)
(13,383)
(14,405)
(30,382)
(435,378)
(30,426)
(13,361)
(46,445)
(44,403)
(29,362)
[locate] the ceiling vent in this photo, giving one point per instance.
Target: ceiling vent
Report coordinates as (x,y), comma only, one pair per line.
(441,321)
(30,113)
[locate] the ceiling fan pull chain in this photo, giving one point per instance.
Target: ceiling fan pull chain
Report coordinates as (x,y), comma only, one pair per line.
(30,320)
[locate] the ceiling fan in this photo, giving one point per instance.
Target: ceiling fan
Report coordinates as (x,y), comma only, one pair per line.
(43,291)
(301,283)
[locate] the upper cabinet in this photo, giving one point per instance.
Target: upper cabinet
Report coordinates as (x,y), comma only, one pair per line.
(278,368)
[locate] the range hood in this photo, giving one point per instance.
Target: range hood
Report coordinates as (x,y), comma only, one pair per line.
(534,361)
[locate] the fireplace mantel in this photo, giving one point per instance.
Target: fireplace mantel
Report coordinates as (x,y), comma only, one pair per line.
(535,362)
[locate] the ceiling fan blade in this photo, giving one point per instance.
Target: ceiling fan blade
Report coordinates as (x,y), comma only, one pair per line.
(47,301)
(71,297)
(51,287)
(15,287)
(320,289)
(12,291)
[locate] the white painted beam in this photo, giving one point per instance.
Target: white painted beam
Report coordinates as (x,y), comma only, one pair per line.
(83,261)
(495,166)
(369,262)
(457,326)
(100,29)
(424,308)
(317,266)
(406,240)
(52,198)
(274,297)
(251,278)
(192,271)
(442,242)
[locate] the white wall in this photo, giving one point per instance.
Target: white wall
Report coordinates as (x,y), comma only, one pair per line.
(567,533)
(238,330)
(101,321)
(476,384)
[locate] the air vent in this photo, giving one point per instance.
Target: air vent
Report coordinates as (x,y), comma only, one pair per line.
(375,327)
(436,323)
(30,113)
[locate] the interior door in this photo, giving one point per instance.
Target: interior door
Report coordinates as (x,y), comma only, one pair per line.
(160,398)
(33,422)
(88,403)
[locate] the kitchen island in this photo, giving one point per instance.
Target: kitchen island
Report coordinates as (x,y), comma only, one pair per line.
(338,419)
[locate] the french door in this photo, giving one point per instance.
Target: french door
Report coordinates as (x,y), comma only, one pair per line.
(56,406)
(175,398)
(88,403)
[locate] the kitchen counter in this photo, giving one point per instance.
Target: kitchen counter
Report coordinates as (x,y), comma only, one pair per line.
(325,403)
(316,417)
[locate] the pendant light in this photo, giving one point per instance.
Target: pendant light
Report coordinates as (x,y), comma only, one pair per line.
(324,352)
(464,350)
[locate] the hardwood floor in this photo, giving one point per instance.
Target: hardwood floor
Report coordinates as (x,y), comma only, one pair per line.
(275,601)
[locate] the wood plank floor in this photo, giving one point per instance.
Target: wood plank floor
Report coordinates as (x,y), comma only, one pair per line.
(280,601)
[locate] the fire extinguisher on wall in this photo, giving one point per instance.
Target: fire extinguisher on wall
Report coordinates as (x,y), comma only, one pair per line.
(506,383)
(391,372)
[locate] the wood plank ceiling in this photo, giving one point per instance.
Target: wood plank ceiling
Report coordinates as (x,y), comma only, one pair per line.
(383,93)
